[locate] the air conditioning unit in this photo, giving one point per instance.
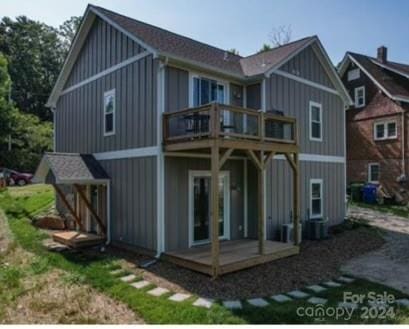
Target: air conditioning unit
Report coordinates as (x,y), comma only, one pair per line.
(287,233)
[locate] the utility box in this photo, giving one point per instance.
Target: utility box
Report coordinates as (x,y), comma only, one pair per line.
(287,233)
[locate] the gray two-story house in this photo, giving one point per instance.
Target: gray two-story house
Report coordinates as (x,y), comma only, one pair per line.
(172,147)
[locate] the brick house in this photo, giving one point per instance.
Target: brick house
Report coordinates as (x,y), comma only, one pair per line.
(377,125)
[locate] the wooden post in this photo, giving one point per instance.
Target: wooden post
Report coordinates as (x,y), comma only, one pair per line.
(68,206)
(296,210)
(214,214)
(261,216)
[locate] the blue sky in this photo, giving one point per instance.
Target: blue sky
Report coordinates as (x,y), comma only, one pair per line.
(359,26)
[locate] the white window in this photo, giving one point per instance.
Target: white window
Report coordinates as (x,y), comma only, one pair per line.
(316,199)
(373,172)
(385,130)
(315,121)
(207,90)
(360,96)
(109,113)
(353,74)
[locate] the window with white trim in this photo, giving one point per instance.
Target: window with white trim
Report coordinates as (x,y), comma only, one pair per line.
(207,90)
(316,198)
(109,113)
(353,74)
(373,172)
(360,96)
(385,130)
(315,121)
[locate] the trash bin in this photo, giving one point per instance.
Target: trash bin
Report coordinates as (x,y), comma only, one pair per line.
(356,191)
(370,193)
(317,228)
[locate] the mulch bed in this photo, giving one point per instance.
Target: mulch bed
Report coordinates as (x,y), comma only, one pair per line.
(318,261)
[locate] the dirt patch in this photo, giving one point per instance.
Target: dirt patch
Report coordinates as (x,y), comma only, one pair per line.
(50,300)
(317,261)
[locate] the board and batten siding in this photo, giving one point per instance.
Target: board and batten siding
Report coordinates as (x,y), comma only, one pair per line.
(293,98)
(279,196)
(133,201)
(177,198)
(306,65)
(104,47)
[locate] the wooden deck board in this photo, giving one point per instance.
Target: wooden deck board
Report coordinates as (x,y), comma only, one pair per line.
(76,239)
(234,255)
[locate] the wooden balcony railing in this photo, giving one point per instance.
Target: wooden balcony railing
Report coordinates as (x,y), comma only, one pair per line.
(226,121)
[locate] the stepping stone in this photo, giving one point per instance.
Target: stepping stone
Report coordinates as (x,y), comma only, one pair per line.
(140,284)
(332,284)
(297,294)
(178,297)
(116,272)
(317,301)
(128,278)
(350,306)
(158,291)
(281,298)
(403,302)
(232,304)
(257,302)
(203,302)
(345,279)
(316,288)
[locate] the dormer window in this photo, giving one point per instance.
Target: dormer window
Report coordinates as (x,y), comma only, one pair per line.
(360,96)
(353,74)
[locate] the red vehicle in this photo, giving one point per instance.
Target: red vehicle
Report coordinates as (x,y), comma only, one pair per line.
(16,178)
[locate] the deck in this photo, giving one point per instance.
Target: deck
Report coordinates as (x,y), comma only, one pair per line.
(76,239)
(234,255)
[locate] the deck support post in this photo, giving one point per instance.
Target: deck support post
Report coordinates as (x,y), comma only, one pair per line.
(261,206)
(294,162)
(214,214)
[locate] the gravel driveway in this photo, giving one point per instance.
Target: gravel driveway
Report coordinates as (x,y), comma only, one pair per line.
(390,264)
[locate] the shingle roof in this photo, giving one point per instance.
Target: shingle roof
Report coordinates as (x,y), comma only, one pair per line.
(70,167)
(386,78)
(186,48)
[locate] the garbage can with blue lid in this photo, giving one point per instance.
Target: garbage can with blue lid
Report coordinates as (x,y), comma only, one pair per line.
(370,193)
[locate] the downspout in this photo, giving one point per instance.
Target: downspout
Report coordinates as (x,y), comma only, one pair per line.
(403,144)
(54,126)
(108,213)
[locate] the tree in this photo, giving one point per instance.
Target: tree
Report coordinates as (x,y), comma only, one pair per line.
(67,31)
(265,47)
(234,51)
(280,35)
(35,55)
(6,109)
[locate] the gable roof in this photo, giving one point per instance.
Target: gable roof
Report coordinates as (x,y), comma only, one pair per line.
(161,42)
(383,75)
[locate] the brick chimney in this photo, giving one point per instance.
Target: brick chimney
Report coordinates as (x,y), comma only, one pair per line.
(382,54)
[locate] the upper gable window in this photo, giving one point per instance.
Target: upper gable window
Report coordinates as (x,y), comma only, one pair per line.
(360,96)
(315,121)
(206,91)
(353,74)
(109,113)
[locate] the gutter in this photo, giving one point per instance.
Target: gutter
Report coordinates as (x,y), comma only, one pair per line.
(108,213)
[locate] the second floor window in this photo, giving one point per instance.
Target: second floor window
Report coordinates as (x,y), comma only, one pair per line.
(109,112)
(385,130)
(360,96)
(315,121)
(207,91)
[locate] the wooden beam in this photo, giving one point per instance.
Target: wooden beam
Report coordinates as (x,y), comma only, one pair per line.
(296,193)
(214,214)
(90,208)
(267,159)
(68,206)
(225,157)
(261,214)
(254,158)
(291,161)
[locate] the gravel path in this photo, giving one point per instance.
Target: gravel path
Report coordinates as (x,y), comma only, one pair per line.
(318,261)
(390,264)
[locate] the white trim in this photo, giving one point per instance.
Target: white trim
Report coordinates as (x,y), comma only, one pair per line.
(108,196)
(128,153)
(310,157)
(390,69)
(245,201)
(227,205)
(310,121)
(356,91)
(54,129)
(263,95)
(370,165)
(385,130)
(306,82)
(109,93)
(321,182)
(106,72)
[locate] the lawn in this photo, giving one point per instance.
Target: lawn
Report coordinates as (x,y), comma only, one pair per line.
(402,211)
(80,268)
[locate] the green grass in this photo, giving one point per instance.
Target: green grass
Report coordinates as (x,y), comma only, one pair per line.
(20,205)
(402,211)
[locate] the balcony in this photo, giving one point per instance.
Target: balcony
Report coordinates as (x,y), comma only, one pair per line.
(233,127)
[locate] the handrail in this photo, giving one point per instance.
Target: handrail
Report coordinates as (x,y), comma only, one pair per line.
(207,121)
